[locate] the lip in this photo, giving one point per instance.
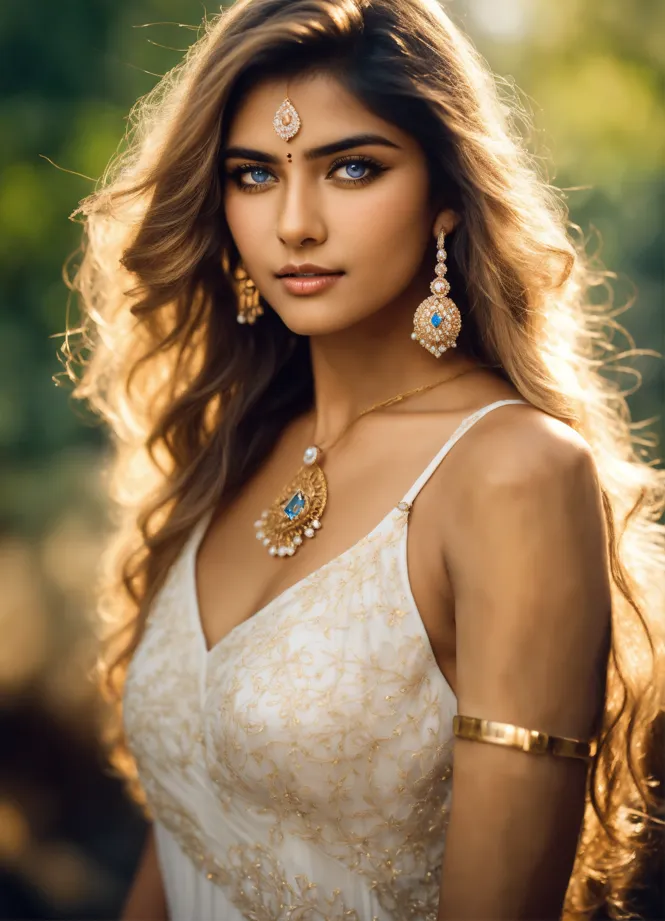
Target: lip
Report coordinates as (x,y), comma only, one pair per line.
(310,285)
(308,267)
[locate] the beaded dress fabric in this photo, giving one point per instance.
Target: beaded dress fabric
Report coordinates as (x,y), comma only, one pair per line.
(300,769)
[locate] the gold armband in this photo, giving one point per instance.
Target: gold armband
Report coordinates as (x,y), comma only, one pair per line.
(528,740)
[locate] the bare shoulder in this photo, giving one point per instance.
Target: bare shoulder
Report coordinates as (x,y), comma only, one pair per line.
(524,484)
(519,447)
(525,543)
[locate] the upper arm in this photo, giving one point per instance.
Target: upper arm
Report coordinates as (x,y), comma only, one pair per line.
(532,607)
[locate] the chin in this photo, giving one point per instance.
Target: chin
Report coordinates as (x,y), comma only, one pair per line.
(311,316)
(314,326)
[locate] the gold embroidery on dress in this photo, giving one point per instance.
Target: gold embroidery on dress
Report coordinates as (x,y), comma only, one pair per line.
(325,721)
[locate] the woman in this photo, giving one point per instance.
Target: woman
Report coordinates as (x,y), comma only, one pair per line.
(312,702)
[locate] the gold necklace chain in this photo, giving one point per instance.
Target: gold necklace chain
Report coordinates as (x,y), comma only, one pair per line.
(297,511)
(397,399)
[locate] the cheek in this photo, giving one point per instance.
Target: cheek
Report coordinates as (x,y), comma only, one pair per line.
(251,221)
(387,235)
(237,218)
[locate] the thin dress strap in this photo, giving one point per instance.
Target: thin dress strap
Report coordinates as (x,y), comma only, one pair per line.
(463,427)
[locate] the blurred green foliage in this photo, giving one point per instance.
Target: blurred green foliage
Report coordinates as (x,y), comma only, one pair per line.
(590,71)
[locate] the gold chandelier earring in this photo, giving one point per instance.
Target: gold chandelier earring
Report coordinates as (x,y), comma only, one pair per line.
(249,302)
(437,321)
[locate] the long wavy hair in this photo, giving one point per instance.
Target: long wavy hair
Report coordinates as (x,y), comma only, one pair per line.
(195,402)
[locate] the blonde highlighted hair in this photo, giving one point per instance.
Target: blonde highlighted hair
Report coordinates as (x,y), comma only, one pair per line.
(195,401)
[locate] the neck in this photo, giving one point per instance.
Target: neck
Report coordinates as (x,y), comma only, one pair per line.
(356,368)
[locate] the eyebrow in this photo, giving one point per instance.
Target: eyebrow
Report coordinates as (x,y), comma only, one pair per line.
(314,153)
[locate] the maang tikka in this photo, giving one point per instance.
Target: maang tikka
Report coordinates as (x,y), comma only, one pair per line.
(286,120)
(437,321)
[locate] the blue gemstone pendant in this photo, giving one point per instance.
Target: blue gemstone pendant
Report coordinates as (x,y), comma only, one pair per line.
(295,505)
(296,513)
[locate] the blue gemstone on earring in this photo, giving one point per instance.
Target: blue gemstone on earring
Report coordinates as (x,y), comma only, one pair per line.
(436,320)
(295,505)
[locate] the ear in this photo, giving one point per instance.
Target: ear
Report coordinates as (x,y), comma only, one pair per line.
(446,221)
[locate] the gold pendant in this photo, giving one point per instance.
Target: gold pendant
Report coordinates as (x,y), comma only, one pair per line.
(296,513)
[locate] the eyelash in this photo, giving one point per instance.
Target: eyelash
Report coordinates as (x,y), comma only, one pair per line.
(376,168)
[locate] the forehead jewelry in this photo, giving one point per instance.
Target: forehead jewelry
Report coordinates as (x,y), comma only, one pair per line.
(286,120)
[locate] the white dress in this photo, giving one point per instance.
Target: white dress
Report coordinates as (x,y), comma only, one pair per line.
(301,768)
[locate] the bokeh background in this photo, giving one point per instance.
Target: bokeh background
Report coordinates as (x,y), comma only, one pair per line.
(590,72)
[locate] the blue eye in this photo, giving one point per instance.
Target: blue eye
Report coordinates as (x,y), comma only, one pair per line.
(355,169)
(253,174)
(259,176)
(358,170)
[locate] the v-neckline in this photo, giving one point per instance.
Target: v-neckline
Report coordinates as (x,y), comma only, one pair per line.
(192,555)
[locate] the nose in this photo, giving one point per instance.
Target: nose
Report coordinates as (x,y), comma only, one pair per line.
(299,220)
